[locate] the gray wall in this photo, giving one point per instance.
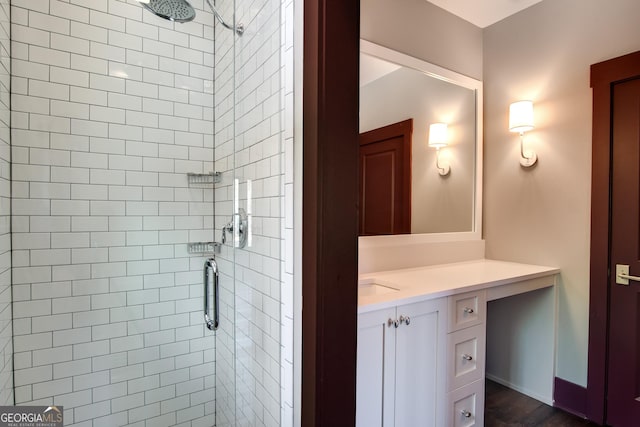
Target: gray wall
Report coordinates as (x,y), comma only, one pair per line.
(542,215)
(423,30)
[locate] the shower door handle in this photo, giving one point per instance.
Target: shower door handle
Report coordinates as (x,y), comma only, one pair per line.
(211,268)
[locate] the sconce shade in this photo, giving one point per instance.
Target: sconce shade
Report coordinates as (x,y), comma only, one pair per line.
(438,135)
(521,116)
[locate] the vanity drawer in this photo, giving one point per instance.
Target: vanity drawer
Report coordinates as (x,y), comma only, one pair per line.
(465,406)
(466,352)
(467,310)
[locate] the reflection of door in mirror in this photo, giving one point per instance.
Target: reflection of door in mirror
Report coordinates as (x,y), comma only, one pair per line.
(385,179)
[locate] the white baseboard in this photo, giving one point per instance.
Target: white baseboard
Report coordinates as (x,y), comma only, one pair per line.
(544,399)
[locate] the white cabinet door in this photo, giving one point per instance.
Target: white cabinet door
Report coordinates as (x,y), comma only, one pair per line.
(420,364)
(375,369)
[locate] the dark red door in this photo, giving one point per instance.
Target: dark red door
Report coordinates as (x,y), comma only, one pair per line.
(623,395)
(385,179)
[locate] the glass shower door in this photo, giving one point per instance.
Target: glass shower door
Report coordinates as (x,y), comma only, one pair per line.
(224,162)
(249,207)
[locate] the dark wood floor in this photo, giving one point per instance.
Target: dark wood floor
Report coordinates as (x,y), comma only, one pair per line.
(505,407)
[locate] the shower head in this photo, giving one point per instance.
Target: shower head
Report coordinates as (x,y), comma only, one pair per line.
(173,10)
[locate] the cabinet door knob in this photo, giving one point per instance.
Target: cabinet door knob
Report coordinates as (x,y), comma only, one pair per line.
(465,413)
(468,310)
(467,357)
(392,322)
(405,319)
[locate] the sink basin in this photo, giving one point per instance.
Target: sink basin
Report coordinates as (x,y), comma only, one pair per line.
(368,287)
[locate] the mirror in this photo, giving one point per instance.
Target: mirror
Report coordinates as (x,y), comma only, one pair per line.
(395,88)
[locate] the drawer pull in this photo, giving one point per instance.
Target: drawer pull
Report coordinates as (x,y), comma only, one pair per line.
(465,413)
(406,320)
(467,357)
(392,322)
(468,310)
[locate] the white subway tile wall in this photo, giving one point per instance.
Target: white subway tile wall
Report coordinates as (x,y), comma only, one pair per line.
(6,324)
(112,106)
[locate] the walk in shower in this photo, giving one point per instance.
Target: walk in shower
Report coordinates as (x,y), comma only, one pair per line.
(144,150)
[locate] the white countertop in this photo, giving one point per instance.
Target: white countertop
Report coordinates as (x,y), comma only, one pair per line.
(418,284)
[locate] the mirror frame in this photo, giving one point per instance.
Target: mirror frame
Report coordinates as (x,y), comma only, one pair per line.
(458,79)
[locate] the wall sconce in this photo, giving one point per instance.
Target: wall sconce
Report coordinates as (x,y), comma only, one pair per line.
(521,121)
(437,140)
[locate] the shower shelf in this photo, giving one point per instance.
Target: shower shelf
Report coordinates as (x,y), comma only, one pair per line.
(204,178)
(204,247)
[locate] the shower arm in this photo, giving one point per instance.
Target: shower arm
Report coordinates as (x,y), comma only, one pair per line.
(239,28)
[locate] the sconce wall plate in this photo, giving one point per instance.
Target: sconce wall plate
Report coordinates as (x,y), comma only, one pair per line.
(444,170)
(529,159)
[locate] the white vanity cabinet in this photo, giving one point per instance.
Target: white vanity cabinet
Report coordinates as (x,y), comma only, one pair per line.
(422,340)
(401,365)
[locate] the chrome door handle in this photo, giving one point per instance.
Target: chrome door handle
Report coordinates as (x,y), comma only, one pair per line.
(468,310)
(466,413)
(622,275)
(210,265)
(467,357)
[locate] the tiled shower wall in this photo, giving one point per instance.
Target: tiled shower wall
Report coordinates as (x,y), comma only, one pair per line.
(111,108)
(6,325)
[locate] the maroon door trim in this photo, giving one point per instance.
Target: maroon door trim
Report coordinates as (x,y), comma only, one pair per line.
(603,75)
(330,217)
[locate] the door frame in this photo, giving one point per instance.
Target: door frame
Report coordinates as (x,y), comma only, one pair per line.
(603,75)
(329,212)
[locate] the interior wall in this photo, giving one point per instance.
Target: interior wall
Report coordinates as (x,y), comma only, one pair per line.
(521,340)
(542,215)
(6,323)
(425,31)
(112,107)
